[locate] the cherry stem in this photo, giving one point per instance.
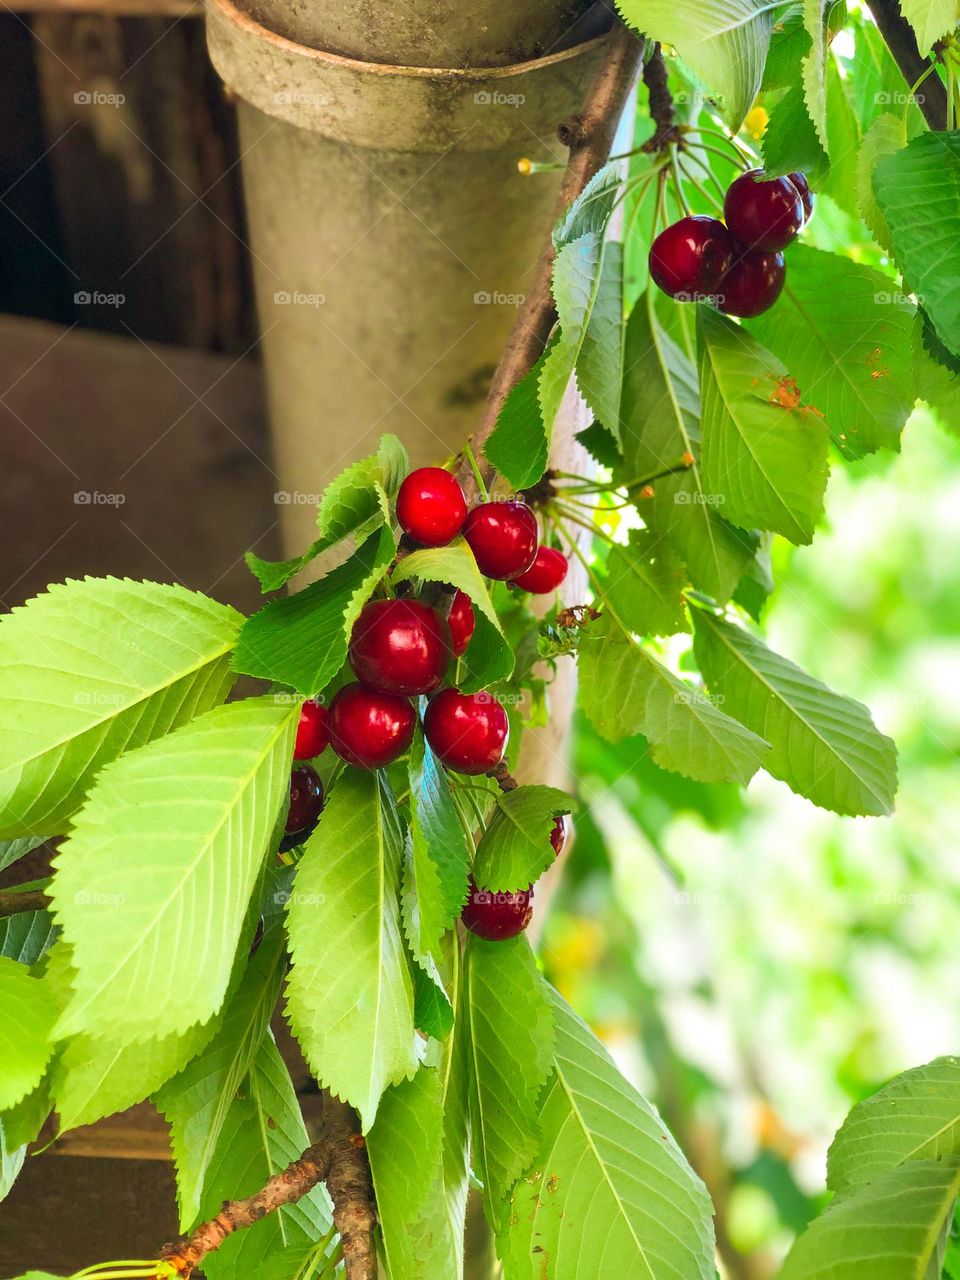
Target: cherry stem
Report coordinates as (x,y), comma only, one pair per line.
(595,582)
(477,474)
(708,197)
(464,821)
(742,154)
(691,154)
(678,181)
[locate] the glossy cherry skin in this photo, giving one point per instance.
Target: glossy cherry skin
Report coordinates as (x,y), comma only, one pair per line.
(799,180)
(306,798)
(548,570)
(312,735)
(558,835)
(461,622)
(370,729)
(400,646)
(752,285)
(467,731)
(763,213)
(431,507)
(503,538)
(497,916)
(688,259)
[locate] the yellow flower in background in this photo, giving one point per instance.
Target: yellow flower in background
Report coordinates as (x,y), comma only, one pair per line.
(756,122)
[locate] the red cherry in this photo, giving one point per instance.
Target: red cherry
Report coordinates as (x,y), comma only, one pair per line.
(752,284)
(799,180)
(312,736)
(468,731)
(763,213)
(558,835)
(306,798)
(497,916)
(431,507)
(548,570)
(502,537)
(462,622)
(400,646)
(369,729)
(688,259)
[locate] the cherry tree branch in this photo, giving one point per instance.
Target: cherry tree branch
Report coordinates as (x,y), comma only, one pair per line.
(339,1159)
(13,901)
(661,104)
(589,135)
(902,43)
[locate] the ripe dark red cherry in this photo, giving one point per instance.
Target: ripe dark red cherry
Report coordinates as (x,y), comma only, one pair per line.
(558,835)
(763,213)
(548,570)
(752,284)
(468,731)
(799,180)
(502,537)
(306,798)
(688,258)
(461,622)
(497,916)
(312,736)
(400,646)
(370,729)
(431,507)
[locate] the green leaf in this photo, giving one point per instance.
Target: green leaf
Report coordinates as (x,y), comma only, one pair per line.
(891,1228)
(274,574)
(590,212)
(843,138)
(600,444)
(789,45)
(626,691)
(511,1050)
(762,452)
(301,640)
(517,446)
(152,886)
(661,425)
(790,140)
(644,585)
(823,746)
(576,279)
(515,849)
(918,194)
(25,937)
(440,860)
(432,1010)
(814,71)
(20,1126)
(27,1014)
(262,1134)
(95,668)
(931,19)
(608,1192)
(196,1102)
(886,135)
(489,657)
(915,1117)
(350,994)
(600,362)
(725,45)
(843,333)
(12,851)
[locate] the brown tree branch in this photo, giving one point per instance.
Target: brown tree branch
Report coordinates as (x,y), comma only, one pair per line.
(589,136)
(12,901)
(898,35)
(503,777)
(340,1160)
(662,113)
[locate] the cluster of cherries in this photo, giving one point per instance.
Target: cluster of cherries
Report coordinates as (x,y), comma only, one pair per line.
(402,648)
(738,266)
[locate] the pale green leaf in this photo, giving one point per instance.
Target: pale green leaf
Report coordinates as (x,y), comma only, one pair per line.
(624,690)
(440,860)
(608,1193)
(887,134)
(515,848)
(20,1126)
(931,19)
(844,335)
(763,453)
(644,584)
(790,140)
(94,668)
(600,362)
(152,886)
(517,447)
(27,1014)
(823,746)
(814,73)
(511,1050)
(591,210)
(350,994)
(576,279)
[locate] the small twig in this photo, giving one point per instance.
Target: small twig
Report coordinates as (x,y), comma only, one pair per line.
(666,131)
(340,1160)
(29,900)
(902,43)
(503,777)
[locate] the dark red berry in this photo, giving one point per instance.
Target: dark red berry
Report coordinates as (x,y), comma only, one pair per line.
(400,646)
(462,622)
(497,916)
(503,538)
(306,798)
(763,213)
(558,835)
(752,284)
(312,736)
(688,259)
(468,731)
(548,570)
(799,180)
(370,729)
(431,507)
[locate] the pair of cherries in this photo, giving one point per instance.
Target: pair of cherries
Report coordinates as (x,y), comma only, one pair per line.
(739,266)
